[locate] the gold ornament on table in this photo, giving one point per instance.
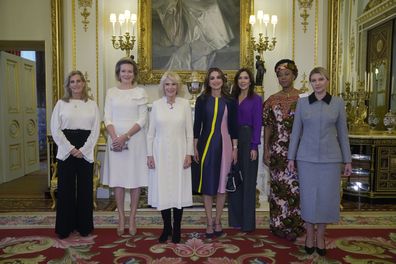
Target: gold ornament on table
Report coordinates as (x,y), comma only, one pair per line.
(356,107)
(194,86)
(124,41)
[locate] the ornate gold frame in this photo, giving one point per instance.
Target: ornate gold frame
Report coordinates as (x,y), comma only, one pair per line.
(57,50)
(149,75)
(333,25)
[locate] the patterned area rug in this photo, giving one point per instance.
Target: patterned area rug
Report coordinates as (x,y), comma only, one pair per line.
(192,218)
(104,246)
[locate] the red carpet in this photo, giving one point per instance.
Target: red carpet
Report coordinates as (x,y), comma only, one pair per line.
(344,246)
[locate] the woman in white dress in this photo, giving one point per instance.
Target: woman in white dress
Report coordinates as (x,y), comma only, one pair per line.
(75,129)
(169,151)
(125,162)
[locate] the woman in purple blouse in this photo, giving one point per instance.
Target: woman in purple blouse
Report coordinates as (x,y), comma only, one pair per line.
(242,202)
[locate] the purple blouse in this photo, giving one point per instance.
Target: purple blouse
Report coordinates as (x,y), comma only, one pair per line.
(250,113)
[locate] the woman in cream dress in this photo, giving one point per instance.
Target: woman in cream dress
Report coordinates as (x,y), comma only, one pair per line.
(169,150)
(125,161)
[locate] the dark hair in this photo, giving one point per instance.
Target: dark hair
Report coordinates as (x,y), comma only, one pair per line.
(289,64)
(208,89)
(68,93)
(236,90)
(126,61)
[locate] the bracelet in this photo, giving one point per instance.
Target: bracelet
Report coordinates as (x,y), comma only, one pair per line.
(128,136)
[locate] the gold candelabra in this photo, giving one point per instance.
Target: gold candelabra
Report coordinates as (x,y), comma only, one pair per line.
(124,41)
(262,42)
(356,106)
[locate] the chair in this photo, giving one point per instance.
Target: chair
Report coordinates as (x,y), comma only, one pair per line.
(96,179)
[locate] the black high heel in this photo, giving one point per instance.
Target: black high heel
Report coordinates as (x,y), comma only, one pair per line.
(308,250)
(218,233)
(321,251)
(209,235)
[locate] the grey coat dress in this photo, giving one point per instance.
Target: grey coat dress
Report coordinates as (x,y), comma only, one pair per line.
(319,143)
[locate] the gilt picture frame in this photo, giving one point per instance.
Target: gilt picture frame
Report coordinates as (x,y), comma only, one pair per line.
(174,35)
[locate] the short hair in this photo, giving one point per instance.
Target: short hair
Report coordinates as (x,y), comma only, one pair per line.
(122,61)
(320,70)
(224,87)
(288,64)
(174,77)
(68,93)
(236,90)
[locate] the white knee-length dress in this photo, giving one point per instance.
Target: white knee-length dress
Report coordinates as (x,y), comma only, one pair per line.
(123,109)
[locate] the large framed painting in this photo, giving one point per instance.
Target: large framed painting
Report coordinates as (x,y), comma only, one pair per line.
(190,35)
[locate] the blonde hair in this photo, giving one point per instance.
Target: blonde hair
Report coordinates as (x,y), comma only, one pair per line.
(320,70)
(68,93)
(174,77)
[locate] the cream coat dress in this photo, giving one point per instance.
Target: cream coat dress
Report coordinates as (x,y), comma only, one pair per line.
(169,140)
(123,109)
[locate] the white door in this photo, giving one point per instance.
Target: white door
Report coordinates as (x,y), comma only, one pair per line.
(19,127)
(30,116)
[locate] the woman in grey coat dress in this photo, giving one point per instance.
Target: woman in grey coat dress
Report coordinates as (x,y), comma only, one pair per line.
(319,143)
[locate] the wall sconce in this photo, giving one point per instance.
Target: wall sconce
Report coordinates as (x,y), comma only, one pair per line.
(126,40)
(262,43)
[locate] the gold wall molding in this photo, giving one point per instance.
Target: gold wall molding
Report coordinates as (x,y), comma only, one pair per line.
(375,11)
(316,32)
(294,31)
(333,15)
(85,4)
(57,50)
(74,36)
(304,6)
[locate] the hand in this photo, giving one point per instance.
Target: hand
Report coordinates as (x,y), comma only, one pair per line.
(119,142)
(150,162)
(347,169)
(253,154)
(76,153)
(187,162)
(196,155)
(267,157)
(235,155)
(291,166)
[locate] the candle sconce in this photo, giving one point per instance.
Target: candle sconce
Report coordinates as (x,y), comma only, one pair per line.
(124,41)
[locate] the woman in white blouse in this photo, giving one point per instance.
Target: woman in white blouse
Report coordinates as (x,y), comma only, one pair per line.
(169,151)
(125,161)
(75,125)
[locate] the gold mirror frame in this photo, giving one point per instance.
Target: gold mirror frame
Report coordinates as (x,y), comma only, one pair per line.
(147,75)
(57,50)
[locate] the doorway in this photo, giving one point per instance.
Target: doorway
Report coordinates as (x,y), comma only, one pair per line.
(34,51)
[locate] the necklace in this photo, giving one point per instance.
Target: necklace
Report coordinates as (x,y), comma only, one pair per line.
(287,93)
(171,105)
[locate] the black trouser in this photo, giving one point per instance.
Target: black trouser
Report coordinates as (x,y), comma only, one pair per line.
(74,210)
(242,202)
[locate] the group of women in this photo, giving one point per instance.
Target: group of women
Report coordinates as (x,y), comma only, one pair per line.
(178,155)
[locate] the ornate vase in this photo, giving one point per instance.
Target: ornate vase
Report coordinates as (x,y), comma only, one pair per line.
(390,121)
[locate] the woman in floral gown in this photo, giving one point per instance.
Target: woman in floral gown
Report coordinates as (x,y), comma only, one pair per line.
(278,115)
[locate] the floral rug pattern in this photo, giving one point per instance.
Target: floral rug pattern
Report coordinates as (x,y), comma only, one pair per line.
(232,247)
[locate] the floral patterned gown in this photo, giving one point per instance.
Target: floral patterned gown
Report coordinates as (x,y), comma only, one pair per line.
(284,198)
